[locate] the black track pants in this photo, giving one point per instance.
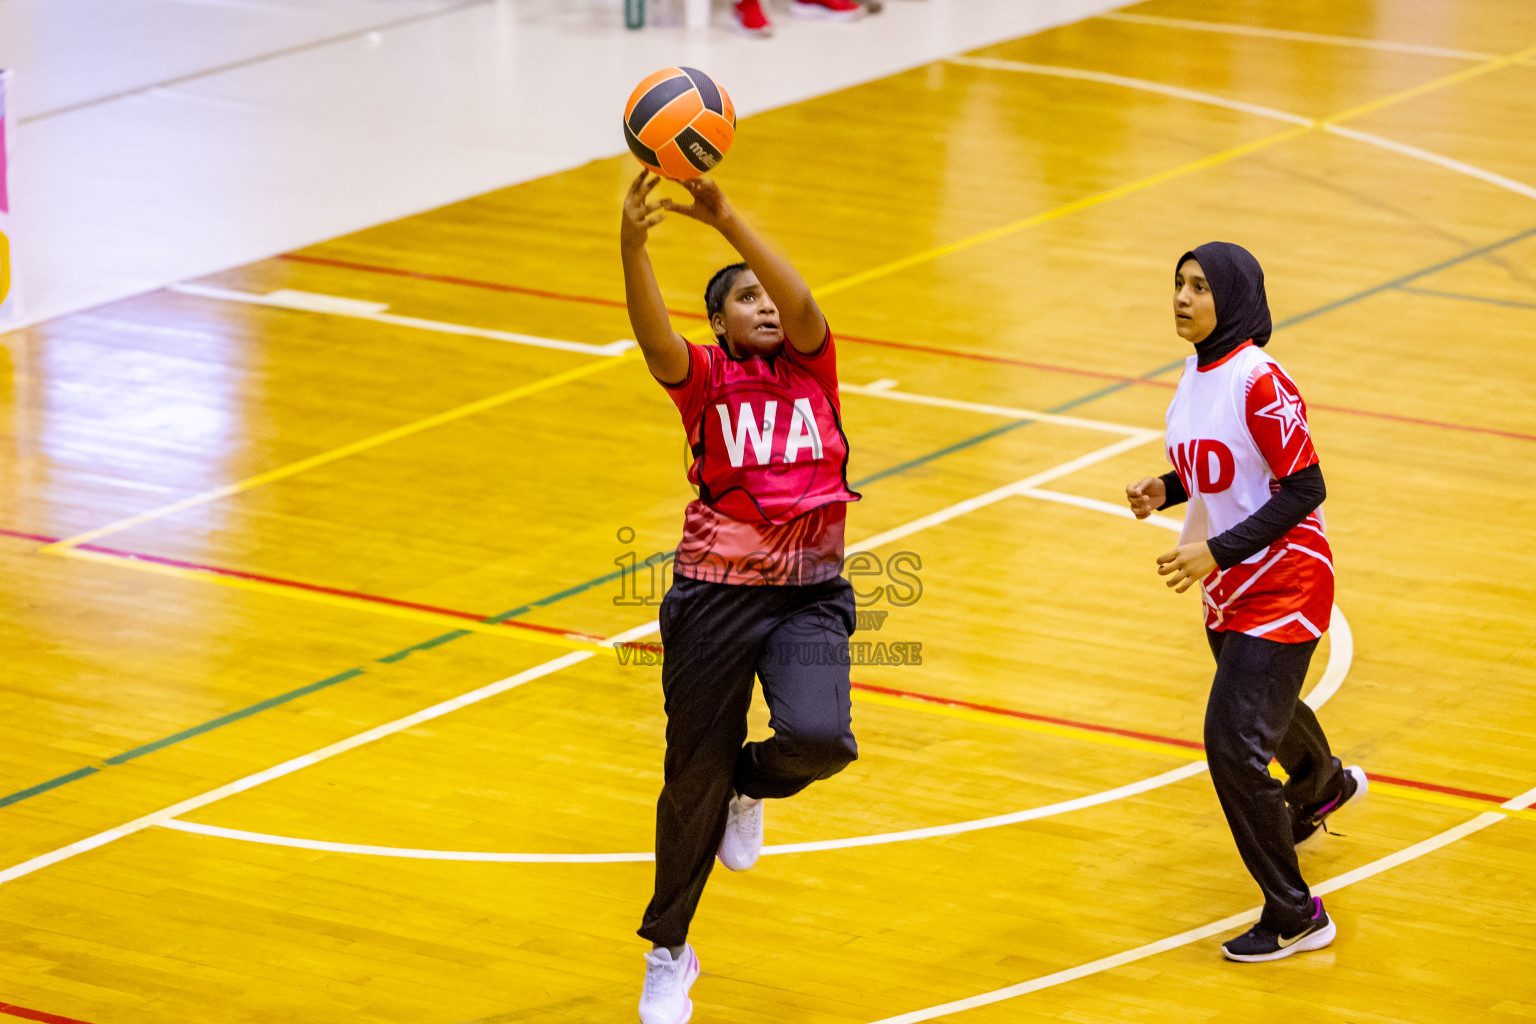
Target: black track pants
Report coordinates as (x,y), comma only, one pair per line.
(717,637)
(1255,713)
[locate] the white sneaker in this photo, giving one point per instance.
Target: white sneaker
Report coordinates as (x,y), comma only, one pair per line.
(743,839)
(664,1000)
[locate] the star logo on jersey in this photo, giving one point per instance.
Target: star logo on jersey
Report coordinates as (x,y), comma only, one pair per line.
(1286,411)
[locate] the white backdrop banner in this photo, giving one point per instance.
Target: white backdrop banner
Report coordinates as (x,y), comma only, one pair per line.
(9,307)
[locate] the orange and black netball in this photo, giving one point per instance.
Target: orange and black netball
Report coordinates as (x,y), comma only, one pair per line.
(679,123)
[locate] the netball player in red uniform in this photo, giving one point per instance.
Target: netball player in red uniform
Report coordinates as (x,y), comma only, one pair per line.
(1254,539)
(757,587)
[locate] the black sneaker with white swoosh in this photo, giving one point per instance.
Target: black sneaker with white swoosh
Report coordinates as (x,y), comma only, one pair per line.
(1259,944)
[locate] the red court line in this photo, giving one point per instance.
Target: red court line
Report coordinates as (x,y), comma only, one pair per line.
(1010,713)
(908,694)
(1188,744)
(592,300)
(986,357)
(29,536)
(46,1018)
(467,282)
(1416,421)
(316,588)
(300,585)
(982,357)
(1471,794)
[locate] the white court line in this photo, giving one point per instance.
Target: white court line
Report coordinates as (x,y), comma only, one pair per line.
(1340,656)
(165,814)
(288,767)
(1014,489)
(954,828)
(481,856)
(1261,32)
(1096,505)
(1361,873)
(887,389)
(1434,158)
(1145,85)
(335,305)
(1210,99)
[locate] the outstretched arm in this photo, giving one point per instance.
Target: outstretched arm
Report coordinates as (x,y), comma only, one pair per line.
(666,351)
(799,315)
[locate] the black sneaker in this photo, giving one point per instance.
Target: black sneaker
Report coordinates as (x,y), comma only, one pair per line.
(1306,824)
(1258,943)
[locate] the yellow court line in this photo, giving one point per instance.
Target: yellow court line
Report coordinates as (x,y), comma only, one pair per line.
(337,601)
(298,591)
(704,332)
(1151,180)
(1426,796)
(992,234)
(1153,747)
(1454,78)
(427,423)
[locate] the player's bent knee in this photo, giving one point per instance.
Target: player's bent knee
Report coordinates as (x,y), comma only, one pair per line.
(824,754)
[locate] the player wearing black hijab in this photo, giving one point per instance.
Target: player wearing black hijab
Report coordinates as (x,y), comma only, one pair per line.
(1254,538)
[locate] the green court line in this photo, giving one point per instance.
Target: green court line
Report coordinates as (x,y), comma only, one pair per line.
(1104,392)
(1398,282)
(596,581)
(43,787)
(185,734)
(521,609)
(425,645)
(1511,303)
(234,716)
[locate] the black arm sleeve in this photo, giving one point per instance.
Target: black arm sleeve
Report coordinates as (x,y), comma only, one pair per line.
(1177,495)
(1299,494)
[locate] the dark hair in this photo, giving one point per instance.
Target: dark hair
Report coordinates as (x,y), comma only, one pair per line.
(718,288)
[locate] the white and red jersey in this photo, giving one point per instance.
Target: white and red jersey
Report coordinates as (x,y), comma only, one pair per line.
(1234,428)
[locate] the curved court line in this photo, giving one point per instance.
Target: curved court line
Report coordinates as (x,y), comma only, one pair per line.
(1029,814)
(267,839)
(1140,84)
(1327,124)
(1249,916)
(1290,35)
(704,332)
(255,779)
(102,838)
(1497,180)
(1340,656)
(1341,644)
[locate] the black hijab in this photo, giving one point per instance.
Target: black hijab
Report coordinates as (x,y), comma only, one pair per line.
(1237,285)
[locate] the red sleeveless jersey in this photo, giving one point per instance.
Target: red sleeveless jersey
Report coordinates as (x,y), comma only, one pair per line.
(770,462)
